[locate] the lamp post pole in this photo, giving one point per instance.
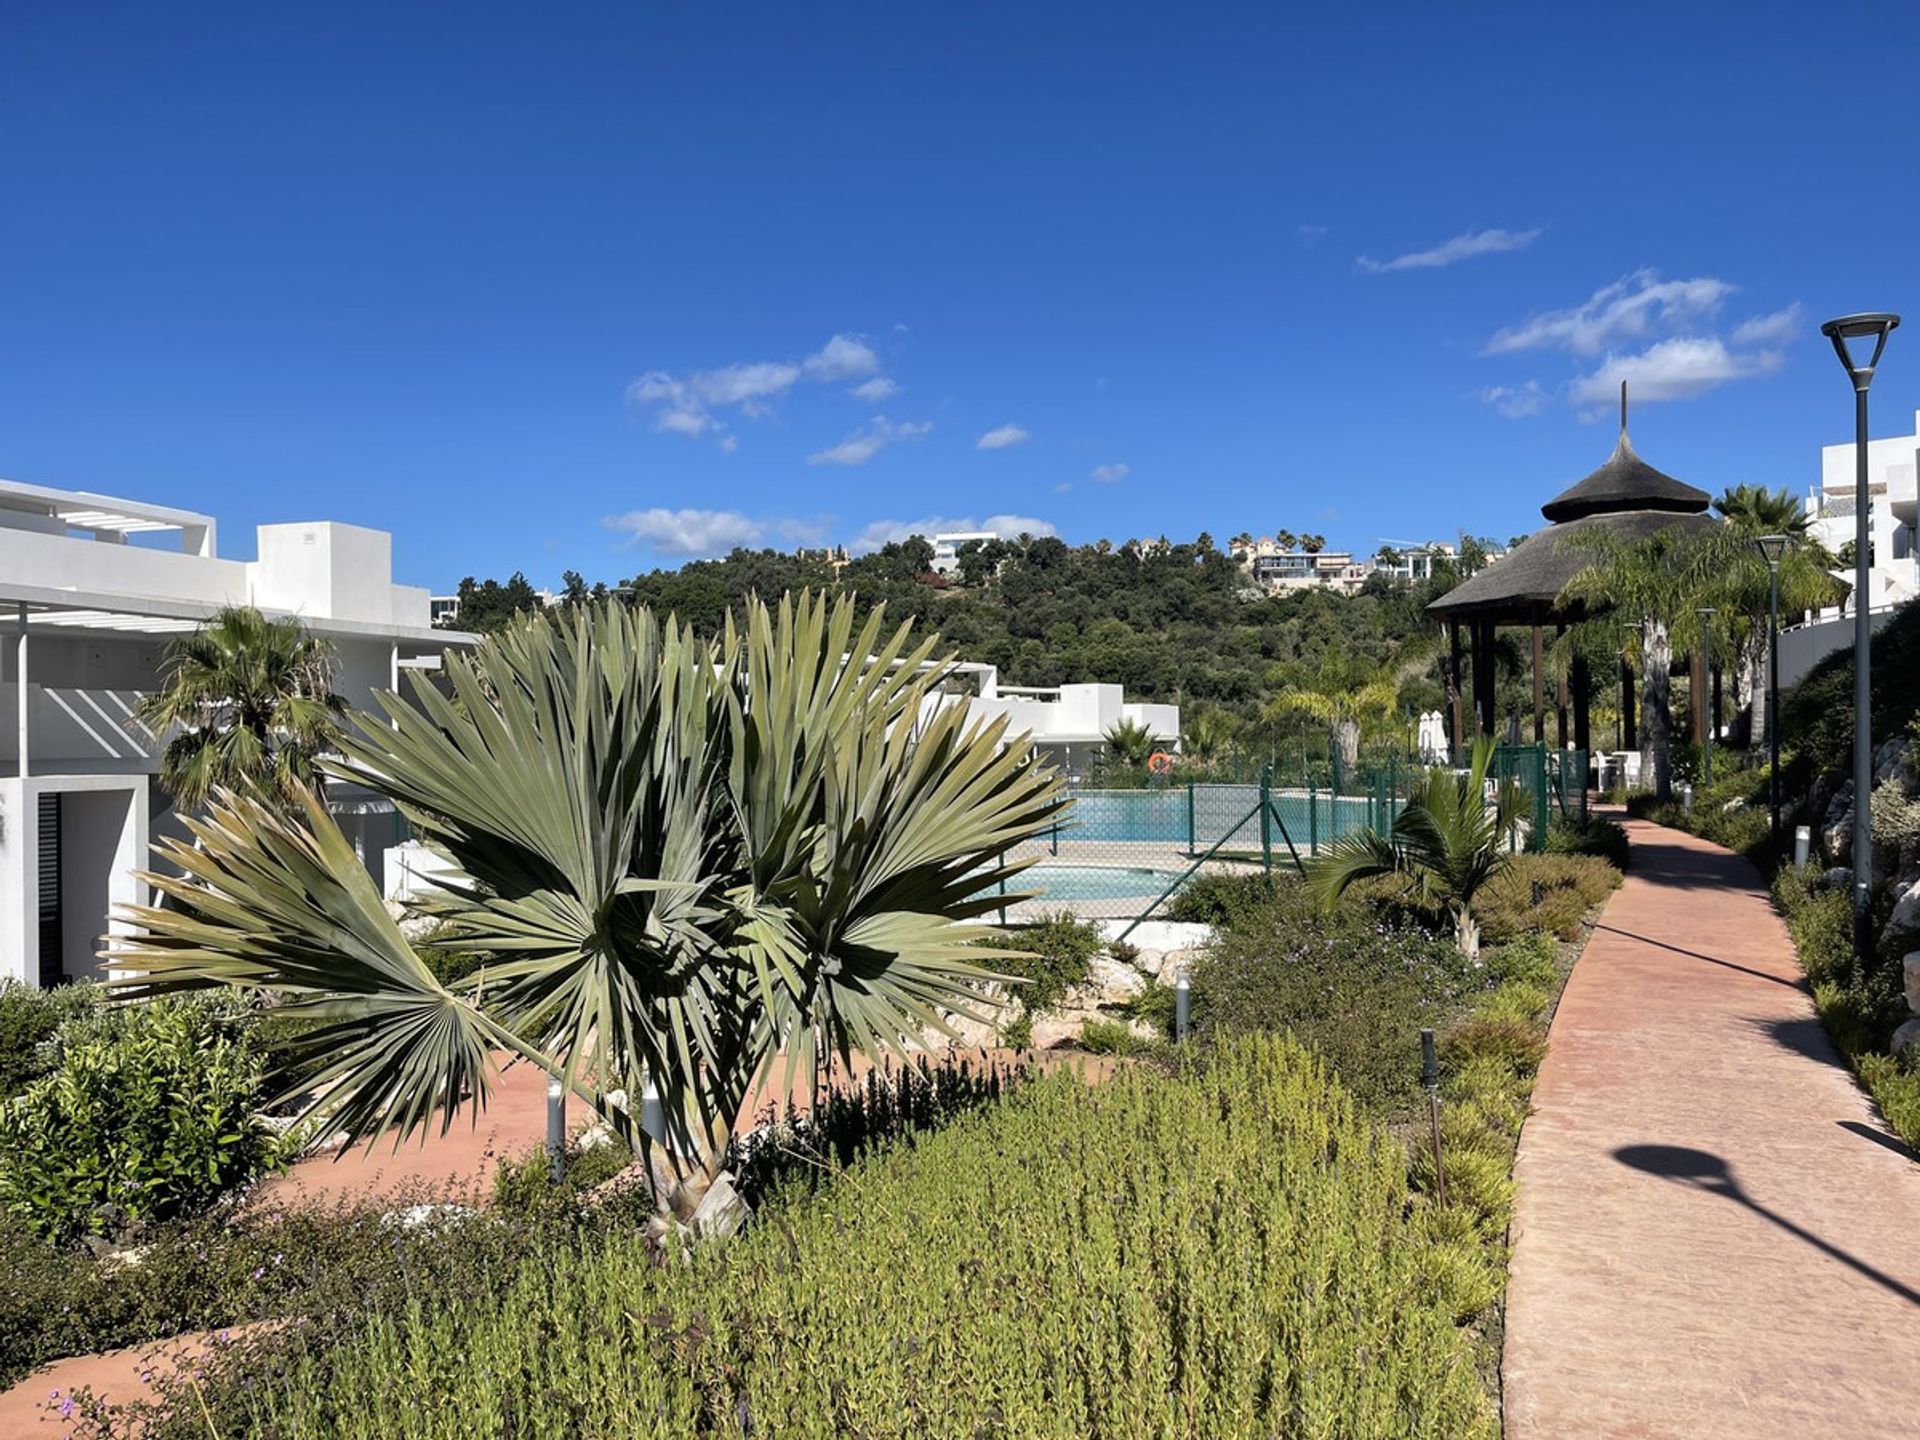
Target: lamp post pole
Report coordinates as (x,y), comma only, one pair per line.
(1771,548)
(1700,703)
(1861,327)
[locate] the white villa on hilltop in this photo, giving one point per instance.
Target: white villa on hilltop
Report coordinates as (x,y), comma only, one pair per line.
(1068,723)
(89,610)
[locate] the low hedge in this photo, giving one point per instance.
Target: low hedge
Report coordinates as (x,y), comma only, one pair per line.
(1860,1005)
(1225,1251)
(1570,886)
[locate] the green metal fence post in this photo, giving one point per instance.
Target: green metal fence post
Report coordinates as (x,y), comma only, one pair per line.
(1266,825)
(1313,818)
(1191,842)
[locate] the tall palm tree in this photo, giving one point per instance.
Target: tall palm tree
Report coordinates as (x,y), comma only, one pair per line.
(1760,511)
(1336,700)
(1285,539)
(1662,581)
(1313,544)
(251,700)
(1449,841)
(690,859)
(1742,586)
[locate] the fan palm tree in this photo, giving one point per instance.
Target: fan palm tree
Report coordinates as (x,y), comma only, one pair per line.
(251,701)
(1130,743)
(1285,539)
(1313,544)
(687,859)
(1449,841)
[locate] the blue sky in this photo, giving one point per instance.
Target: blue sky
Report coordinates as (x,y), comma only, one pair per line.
(601,286)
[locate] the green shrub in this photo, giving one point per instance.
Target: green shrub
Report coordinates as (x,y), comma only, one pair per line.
(29,1016)
(1505,1039)
(1356,990)
(1570,887)
(1059,951)
(1533,959)
(150,1113)
(1155,1004)
(1116,1037)
(1861,1005)
(1595,835)
(1217,899)
(1227,1250)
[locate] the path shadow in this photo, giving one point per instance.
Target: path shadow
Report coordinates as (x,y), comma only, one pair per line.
(1706,1171)
(1804,1035)
(1697,955)
(1880,1138)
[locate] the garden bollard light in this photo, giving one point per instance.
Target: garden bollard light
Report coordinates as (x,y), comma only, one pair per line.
(1182,1007)
(556,1130)
(1430,1077)
(1802,845)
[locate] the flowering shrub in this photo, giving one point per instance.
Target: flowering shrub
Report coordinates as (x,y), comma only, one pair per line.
(1352,984)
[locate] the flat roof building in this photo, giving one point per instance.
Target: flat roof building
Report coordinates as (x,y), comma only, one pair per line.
(88,603)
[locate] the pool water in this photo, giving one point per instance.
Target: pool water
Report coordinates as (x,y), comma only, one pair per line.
(1095,882)
(1210,813)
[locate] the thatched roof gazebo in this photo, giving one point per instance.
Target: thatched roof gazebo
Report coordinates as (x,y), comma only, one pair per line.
(1627,497)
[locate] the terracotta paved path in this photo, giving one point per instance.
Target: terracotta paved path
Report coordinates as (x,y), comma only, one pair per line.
(1714,1234)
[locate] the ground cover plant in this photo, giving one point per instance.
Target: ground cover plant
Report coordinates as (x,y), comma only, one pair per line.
(1226,1251)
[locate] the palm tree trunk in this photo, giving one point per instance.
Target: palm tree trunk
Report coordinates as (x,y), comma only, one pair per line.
(1656,711)
(1746,685)
(1466,932)
(1346,734)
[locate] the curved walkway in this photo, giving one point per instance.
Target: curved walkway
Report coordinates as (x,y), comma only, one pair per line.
(1714,1234)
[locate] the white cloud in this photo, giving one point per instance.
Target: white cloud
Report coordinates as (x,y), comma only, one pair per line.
(1775,329)
(869,440)
(1110,474)
(689,533)
(1674,369)
(1516,402)
(1063,487)
(878,388)
(882,532)
(1308,236)
(1002,437)
(1627,310)
(686,404)
(844,357)
(1449,252)
(730,444)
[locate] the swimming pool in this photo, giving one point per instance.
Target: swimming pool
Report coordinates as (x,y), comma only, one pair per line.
(1209,813)
(1063,883)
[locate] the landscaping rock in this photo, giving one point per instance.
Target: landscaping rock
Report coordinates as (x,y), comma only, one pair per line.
(1058,1028)
(1892,761)
(1906,913)
(1839,877)
(1911,966)
(1907,1038)
(1836,828)
(1109,982)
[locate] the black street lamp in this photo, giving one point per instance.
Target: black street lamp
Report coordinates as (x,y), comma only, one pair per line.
(1772,548)
(1840,332)
(1700,700)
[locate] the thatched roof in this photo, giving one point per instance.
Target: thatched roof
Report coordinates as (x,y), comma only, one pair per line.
(1625,482)
(1626,496)
(1525,584)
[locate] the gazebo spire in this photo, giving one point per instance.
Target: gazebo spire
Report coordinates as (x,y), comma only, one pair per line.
(1623,409)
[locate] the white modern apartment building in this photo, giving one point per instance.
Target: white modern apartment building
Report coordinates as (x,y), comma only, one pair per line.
(1832,508)
(1068,723)
(91,590)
